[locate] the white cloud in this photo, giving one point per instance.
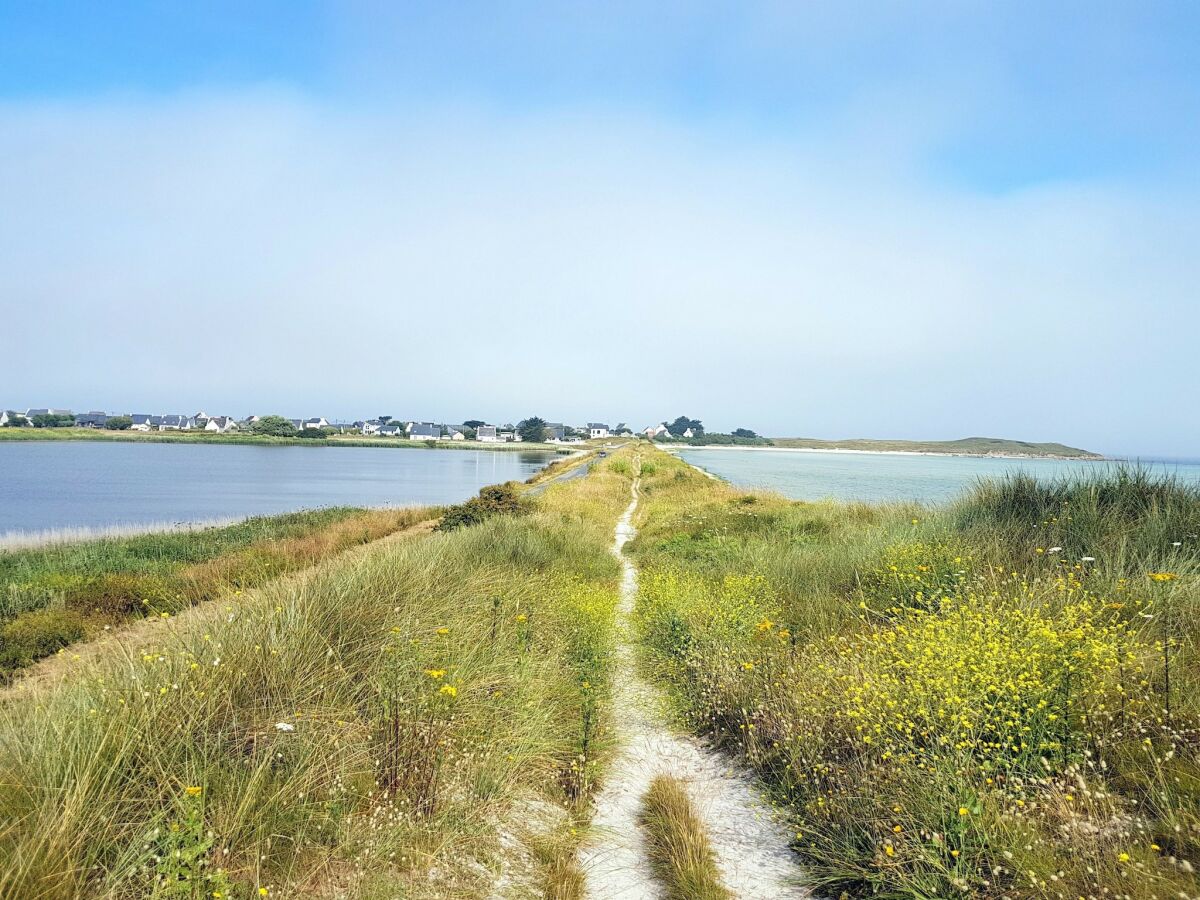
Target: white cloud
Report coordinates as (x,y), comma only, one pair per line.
(263,250)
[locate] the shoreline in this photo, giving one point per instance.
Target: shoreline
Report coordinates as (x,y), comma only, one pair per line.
(252,440)
(675,449)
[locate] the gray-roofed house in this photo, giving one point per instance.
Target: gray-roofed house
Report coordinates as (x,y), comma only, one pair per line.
(487,434)
(175,423)
(391,429)
(597,430)
(92,419)
(555,432)
(424,431)
(142,421)
(220,424)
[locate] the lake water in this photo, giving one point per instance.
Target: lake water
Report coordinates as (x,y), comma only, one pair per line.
(47,485)
(875,477)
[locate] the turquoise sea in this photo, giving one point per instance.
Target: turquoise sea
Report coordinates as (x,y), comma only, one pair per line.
(874,477)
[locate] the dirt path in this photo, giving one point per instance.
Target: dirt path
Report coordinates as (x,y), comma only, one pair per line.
(750,844)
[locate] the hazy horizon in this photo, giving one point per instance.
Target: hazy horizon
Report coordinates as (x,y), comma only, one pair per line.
(928,222)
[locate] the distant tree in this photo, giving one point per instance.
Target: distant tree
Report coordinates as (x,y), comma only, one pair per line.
(473,424)
(622,428)
(274,426)
(532,430)
(682,424)
(383,420)
(310,433)
(52,420)
(468,432)
(744,433)
(15,420)
(119,423)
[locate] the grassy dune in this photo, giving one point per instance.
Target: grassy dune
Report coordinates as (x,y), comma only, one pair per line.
(995,699)
(953,702)
(55,595)
(417,720)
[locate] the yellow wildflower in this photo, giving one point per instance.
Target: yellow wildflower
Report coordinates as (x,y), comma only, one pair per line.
(194,791)
(435,674)
(1162,576)
(449,690)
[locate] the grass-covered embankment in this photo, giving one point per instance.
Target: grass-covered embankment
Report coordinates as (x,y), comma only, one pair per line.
(210,437)
(971,701)
(418,719)
(55,595)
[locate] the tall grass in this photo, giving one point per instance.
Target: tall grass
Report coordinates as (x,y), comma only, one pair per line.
(951,702)
(1130,519)
(367,731)
(679,849)
(53,595)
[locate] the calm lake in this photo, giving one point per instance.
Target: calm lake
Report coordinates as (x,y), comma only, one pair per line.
(85,484)
(880,477)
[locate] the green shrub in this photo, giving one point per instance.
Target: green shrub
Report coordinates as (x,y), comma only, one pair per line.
(32,635)
(493,500)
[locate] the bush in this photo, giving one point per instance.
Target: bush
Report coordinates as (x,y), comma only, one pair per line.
(118,423)
(273,426)
(494,500)
(32,635)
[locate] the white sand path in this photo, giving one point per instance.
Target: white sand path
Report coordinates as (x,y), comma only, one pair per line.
(748,838)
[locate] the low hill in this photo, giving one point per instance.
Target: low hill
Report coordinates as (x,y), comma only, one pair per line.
(972,446)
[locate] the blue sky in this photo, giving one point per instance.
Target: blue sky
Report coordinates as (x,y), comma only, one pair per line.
(917,220)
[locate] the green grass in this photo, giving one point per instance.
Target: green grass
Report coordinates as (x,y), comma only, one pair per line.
(200,437)
(54,595)
(377,729)
(945,706)
(679,849)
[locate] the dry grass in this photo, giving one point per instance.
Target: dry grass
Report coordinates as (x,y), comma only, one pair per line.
(363,731)
(678,845)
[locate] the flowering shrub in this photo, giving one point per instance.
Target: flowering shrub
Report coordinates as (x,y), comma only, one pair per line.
(916,574)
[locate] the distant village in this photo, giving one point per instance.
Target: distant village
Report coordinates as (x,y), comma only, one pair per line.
(279,426)
(530,430)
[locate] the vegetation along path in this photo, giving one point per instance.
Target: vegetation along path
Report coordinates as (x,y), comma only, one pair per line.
(750,846)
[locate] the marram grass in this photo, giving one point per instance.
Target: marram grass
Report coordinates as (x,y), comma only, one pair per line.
(372,730)
(677,842)
(950,703)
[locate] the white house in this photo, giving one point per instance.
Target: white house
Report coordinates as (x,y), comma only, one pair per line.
(657,431)
(318,422)
(452,434)
(144,422)
(487,434)
(689,433)
(597,430)
(219,424)
(371,426)
(391,429)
